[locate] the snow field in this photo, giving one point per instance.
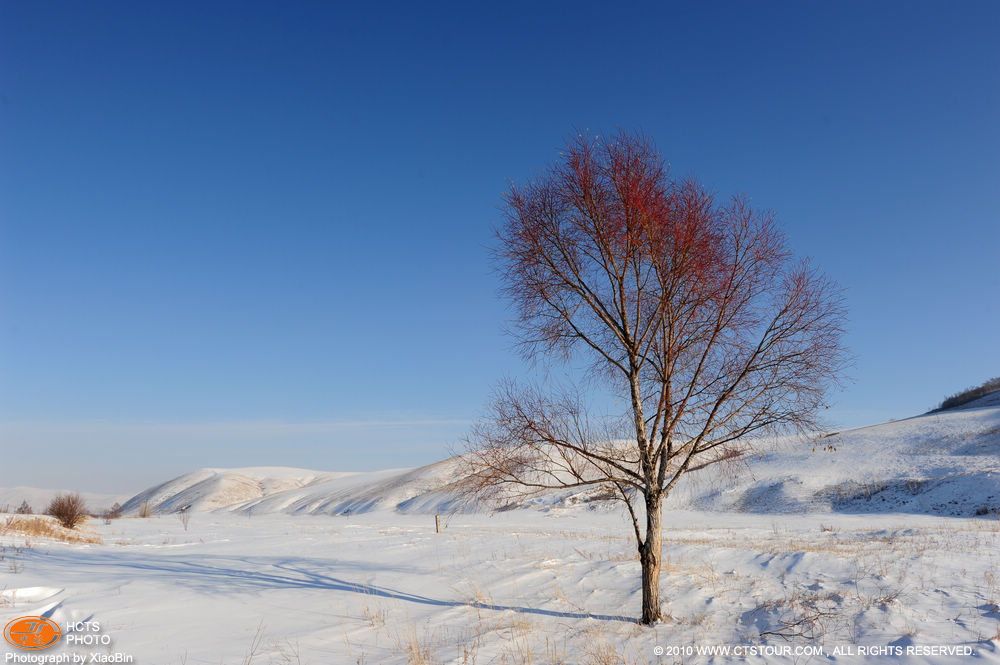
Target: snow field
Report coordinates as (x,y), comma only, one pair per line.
(876,545)
(517,587)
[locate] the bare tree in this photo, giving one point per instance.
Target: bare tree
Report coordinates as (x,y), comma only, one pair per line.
(113,513)
(693,311)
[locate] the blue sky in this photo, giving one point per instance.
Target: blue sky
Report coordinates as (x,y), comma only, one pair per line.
(257,233)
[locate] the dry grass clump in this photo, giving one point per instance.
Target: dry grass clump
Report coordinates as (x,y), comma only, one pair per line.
(35,526)
(417,649)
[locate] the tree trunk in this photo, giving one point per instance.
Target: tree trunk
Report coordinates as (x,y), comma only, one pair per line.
(650,554)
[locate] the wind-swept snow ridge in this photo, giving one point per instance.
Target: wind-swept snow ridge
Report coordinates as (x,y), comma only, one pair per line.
(211,489)
(425,489)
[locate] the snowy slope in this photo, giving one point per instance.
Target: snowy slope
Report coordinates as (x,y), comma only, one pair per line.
(210,489)
(424,489)
(945,463)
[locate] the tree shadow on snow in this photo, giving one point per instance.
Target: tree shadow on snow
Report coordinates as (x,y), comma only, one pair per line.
(221,574)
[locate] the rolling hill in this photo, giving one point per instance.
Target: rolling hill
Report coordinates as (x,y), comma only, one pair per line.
(941,463)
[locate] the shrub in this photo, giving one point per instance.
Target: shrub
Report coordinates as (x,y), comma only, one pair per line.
(145,509)
(112,513)
(25,508)
(969,394)
(68,509)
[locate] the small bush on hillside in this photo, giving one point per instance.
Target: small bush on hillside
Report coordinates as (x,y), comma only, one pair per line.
(68,509)
(969,394)
(25,508)
(112,513)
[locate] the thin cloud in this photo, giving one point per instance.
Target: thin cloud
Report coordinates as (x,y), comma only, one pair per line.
(266,428)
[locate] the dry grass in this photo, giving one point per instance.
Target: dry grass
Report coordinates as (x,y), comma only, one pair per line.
(36,526)
(517,651)
(375,615)
(555,652)
(415,647)
(600,649)
(604,653)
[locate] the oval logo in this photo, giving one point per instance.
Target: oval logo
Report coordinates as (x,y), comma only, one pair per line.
(32,632)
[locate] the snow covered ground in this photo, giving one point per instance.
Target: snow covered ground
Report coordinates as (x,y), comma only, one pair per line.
(518,587)
(867,548)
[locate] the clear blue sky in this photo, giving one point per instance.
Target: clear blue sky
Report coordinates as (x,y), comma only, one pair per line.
(256,233)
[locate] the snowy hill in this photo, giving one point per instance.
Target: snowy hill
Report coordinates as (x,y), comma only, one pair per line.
(210,489)
(944,463)
(259,490)
(426,489)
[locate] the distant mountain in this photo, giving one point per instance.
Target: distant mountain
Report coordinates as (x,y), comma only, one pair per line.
(38,499)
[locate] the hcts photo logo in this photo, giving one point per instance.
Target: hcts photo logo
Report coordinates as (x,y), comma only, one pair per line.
(32,633)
